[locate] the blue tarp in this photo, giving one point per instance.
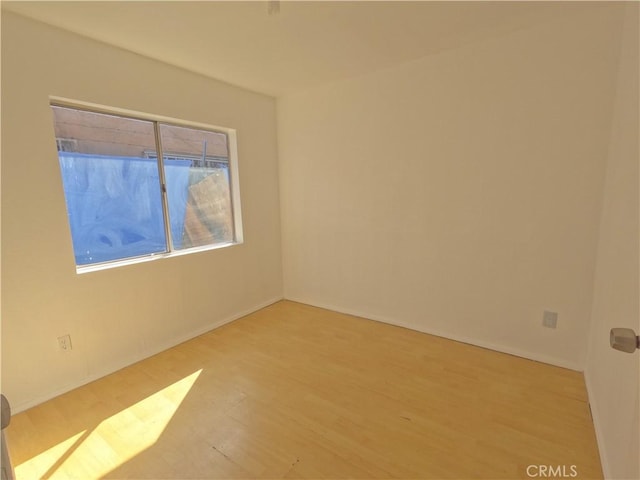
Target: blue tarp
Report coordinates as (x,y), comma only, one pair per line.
(115,207)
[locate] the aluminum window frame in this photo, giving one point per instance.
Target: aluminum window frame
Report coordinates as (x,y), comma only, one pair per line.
(157,121)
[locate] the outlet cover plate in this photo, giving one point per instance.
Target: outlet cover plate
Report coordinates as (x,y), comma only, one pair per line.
(64,343)
(550,319)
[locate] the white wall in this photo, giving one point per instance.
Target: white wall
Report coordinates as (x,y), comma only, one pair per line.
(613,378)
(458,194)
(117,316)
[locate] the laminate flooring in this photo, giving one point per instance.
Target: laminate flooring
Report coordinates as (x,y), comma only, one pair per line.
(294,391)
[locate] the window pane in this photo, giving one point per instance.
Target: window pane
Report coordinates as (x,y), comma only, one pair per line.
(111,185)
(198,186)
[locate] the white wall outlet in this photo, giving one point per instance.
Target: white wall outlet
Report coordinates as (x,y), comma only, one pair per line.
(550,319)
(64,343)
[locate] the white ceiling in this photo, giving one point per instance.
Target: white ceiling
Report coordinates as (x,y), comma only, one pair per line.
(306,44)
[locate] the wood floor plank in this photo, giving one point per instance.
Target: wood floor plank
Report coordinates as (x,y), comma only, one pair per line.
(298,392)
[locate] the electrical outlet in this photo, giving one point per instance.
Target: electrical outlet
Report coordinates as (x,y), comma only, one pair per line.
(64,343)
(550,319)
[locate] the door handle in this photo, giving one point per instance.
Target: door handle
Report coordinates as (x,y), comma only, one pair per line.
(624,339)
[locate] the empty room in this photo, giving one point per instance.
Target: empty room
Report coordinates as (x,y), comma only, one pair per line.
(320,240)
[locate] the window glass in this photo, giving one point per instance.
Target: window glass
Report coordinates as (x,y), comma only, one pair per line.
(125,202)
(201,214)
(111,187)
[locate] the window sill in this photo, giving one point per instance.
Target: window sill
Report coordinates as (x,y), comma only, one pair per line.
(150,258)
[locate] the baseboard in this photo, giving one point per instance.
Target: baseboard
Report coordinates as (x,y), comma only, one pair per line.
(20,407)
(558,362)
(17,408)
(597,425)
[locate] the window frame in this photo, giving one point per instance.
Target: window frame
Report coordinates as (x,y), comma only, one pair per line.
(157,121)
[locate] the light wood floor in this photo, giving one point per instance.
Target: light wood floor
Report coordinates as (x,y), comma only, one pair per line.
(294,391)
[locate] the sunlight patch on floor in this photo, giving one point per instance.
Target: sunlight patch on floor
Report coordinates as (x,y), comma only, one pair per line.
(114,441)
(38,466)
